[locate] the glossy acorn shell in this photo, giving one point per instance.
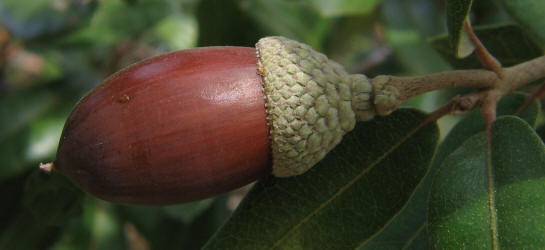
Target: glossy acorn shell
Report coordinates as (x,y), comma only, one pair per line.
(174,128)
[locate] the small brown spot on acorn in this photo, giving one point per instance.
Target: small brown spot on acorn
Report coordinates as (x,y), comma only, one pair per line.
(124,99)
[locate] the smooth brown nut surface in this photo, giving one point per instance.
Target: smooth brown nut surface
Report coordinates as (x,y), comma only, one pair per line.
(174,128)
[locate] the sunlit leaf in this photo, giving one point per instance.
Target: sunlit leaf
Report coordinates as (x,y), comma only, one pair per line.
(481,204)
(43,138)
(409,228)
(178,31)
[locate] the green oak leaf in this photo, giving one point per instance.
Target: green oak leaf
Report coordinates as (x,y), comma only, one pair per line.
(408,230)
(344,200)
(507,42)
(528,13)
(457,14)
(491,197)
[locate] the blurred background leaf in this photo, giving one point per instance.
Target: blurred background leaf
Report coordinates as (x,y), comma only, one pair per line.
(117,20)
(528,14)
(344,7)
(293,19)
(44,18)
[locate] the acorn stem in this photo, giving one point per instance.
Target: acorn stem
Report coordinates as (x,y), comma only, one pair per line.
(391,91)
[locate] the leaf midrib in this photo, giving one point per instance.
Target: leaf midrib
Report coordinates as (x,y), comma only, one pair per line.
(491,196)
(346,186)
(414,235)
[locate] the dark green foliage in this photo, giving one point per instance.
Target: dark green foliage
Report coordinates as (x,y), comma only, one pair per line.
(223,22)
(509,43)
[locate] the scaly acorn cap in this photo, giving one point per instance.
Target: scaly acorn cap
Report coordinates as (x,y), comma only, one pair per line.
(311,102)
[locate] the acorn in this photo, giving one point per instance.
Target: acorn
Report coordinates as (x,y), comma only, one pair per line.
(192,124)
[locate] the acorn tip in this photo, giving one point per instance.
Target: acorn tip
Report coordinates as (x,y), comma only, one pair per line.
(47,167)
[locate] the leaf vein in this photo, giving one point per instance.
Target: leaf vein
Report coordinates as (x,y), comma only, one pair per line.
(346,186)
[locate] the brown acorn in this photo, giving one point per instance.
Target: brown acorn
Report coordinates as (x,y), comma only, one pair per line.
(174,128)
(195,123)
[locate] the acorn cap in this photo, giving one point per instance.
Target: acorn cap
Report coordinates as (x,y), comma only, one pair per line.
(311,102)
